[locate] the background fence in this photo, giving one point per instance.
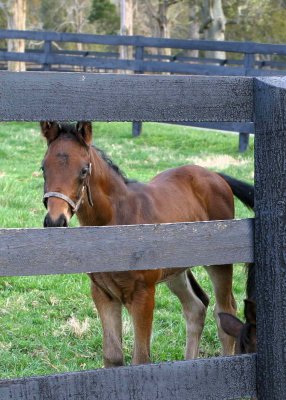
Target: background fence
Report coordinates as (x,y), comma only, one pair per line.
(59,96)
(51,51)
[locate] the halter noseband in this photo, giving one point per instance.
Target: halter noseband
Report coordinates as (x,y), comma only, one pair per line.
(74,206)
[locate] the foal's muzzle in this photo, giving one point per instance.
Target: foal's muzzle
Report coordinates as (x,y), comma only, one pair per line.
(60,222)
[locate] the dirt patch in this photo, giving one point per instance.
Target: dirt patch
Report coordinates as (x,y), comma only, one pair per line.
(37,174)
(78,328)
(218,162)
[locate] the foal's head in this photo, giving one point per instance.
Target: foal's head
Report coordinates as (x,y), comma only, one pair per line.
(66,168)
(244,333)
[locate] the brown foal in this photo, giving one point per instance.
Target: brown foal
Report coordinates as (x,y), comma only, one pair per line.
(81,180)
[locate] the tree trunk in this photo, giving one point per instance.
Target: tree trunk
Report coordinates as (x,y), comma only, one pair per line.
(126,27)
(79,12)
(194,29)
(79,23)
(16,19)
(164,30)
(213,27)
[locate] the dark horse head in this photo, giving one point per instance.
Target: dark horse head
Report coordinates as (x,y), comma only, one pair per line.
(66,169)
(244,333)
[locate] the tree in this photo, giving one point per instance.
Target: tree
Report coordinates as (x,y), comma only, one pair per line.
(52,16)
(66,16)
(256,20)
(76,17)
(194,26)
(15,15)
(213,24)
(126,26)
(105,16)
(162,16)
(126,17)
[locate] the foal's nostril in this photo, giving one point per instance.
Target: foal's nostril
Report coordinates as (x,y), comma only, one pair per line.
(64,222)
(58,223)
(45,223)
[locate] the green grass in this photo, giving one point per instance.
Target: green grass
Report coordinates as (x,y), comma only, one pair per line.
(48,323)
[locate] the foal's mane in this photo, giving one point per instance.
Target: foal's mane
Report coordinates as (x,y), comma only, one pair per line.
(70,129)
(113,166)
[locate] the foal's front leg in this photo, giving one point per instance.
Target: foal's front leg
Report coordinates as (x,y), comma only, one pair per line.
(110,312)
(221,277)
(141,309)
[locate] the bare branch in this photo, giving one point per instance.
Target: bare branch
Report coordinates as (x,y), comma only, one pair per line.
(150,9)
(205,24)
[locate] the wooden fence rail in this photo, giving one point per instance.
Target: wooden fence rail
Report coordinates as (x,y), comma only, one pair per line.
(63,251)
(37,96)
(215,378)
(106,97)
(150,66)
(143,41)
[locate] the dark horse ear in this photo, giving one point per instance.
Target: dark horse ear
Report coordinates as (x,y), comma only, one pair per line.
(50,130)
(250,311)
(230,324)
(84,129)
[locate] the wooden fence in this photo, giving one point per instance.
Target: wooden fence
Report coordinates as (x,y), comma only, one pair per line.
(37,96)
(243,59)
(51,58)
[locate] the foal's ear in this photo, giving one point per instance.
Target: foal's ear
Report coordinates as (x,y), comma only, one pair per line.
(50,130)
(84,128)
(230,324)
(250,311)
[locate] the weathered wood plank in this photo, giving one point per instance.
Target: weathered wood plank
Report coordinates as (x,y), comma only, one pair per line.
(214,378)
(113,63)
(124,248)
(142,66)
(117,40)
(38,96)
(270,234)
(279,66)
(243,141)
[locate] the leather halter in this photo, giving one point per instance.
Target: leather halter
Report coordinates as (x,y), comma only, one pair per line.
(74,205)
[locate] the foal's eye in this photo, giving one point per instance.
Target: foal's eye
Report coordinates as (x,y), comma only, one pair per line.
(84,172)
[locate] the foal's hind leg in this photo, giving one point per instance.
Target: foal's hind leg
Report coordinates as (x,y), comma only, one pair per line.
(221,277)
(109,310)
(194,312)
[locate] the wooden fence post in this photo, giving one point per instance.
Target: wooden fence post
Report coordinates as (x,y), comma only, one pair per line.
(243,141)
(137,125)
(47,52)
(270,235)
(248,63)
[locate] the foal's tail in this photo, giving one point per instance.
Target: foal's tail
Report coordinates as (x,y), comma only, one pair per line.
(199,291)
(245,193)
(242,190)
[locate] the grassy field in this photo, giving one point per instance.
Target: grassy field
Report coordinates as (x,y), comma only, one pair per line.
(48,323)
